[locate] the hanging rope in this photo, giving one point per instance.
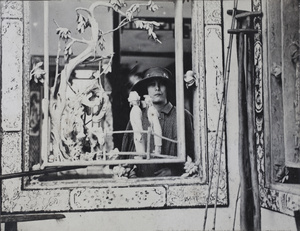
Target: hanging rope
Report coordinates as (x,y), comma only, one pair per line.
(224,101)
(235,208)
(221,118)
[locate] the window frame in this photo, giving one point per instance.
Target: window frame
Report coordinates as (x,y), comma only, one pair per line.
(181,152)
(94,194)
(275,196)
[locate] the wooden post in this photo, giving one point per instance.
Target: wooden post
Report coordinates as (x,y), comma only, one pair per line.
(246,201)
(250,80)
(250,215)
(241,147)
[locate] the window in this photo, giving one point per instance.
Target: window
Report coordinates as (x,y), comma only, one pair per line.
(281,106)
(87,105)
(96,191)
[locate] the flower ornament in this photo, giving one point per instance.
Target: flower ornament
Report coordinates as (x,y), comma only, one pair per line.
(190,79)
(191,168)
(124,171)
(134,98)
(37,73)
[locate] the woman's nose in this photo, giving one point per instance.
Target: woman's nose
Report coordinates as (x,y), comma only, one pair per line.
(157,86)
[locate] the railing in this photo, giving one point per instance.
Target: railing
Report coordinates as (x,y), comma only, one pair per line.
(144,157)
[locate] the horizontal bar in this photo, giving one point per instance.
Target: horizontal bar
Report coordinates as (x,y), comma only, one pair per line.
(55,168)
(144,131)
(246,31)
(230,12)
(165,138)
(117,162)
(29,217)
(148,54)
(126,131)
(143,154)
(163,156)
(248,14)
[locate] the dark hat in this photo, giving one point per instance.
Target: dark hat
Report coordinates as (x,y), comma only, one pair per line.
(149,75)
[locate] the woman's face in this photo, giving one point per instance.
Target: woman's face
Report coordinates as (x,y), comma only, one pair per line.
(157,91)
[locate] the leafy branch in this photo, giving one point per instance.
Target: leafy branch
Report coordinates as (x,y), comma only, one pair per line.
(58,107)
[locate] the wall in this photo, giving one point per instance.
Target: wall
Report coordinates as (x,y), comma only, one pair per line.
(176,219)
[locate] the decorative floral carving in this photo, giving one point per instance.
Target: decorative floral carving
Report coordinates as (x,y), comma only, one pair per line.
(37,73)
(191,168)
(281,173)
(190,79)
(113,198)
(212,12)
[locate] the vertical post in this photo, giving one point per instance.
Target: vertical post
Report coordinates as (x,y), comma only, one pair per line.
(45,100)
(104,146)
(199,94)
(179,79)
(242,146)
(148,143)
(251,131)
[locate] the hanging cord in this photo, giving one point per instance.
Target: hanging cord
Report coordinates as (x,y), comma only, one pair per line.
(236,203)
(224,101)
(221,117)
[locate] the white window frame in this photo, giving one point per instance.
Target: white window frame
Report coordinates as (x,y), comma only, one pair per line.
(181,152)
(95,194)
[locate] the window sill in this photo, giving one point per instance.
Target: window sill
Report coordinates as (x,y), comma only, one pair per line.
(112,182)
(101,194)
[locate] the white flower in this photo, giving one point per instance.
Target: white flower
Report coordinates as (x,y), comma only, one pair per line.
(190,78)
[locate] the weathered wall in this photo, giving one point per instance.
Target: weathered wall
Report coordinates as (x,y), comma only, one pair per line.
(168,219)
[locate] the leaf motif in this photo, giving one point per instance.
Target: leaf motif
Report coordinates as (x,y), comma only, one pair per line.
(155,23)
(152,6)
(39,64)
(37,73)
(139,24)
(63,33)
(82,23)
(117,4)
(101,40)
(106,68)
(70,51)
(67,53)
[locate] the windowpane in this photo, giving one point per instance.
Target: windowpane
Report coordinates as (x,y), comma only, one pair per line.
(88,114)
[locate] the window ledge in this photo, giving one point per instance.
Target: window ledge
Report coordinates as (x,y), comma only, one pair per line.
(142,193)
(118,182)
(148,193)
